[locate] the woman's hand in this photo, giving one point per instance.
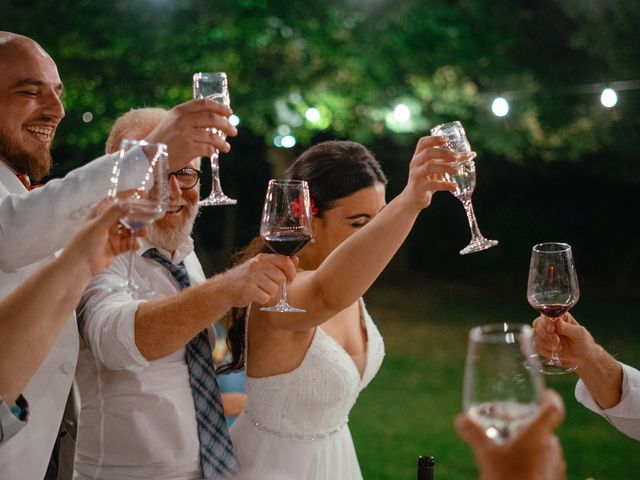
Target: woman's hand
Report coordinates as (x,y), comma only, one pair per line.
(427,171)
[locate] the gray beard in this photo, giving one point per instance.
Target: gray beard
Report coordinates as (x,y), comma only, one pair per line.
(170,237)
(35,166)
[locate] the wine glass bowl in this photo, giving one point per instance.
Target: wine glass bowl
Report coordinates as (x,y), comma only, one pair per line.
(286,225)
(214,86)
(465,180)
(502,386)
(552,290)
(146,203)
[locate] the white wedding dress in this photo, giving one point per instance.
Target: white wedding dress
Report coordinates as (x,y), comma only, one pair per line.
(294,426)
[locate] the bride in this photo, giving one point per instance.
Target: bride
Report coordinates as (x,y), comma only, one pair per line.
(305,370)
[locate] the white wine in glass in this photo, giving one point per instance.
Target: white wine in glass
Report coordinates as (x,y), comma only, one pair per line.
(147,203)
(213,85)
(465,180)
(502,386)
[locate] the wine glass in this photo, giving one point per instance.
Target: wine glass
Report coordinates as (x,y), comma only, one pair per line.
(552,290)
(147,203)
(465,180)
(213,85)
(286,225)
(502,386)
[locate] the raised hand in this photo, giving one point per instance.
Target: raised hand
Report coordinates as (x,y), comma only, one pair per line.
(102,238)
(427,171)
(258,279)
(533,454)
(186,131)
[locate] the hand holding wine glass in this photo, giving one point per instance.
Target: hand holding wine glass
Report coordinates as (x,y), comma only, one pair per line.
(146,203)
(502,387)
(552,289)
(213,85)
(286,225)
(465,180)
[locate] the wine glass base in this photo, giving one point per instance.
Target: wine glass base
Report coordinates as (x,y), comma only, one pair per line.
(282,306)
(477,245)
(547,367)
(217,199)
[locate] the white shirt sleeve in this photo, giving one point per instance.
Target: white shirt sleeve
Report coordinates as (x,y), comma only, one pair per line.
(625,416)
(36,224)
(106,320)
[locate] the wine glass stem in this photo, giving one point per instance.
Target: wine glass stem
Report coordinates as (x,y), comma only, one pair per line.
(130,267)
(471,217)
(215,174)
(284,292)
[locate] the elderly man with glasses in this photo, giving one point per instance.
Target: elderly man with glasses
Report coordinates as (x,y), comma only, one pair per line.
(150,402)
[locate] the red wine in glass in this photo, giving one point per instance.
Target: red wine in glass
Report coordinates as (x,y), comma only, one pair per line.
(286,243)
(551,310)
(552,290)
(286,225)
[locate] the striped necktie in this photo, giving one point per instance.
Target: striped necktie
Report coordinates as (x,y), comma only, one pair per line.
(216,451)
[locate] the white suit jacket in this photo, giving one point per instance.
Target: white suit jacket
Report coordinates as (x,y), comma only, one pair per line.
(33,226)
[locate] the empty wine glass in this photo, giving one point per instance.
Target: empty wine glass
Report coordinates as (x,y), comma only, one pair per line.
(286,225)
(147,203)
(552,289)
(502,386)
(465,180)
(213,85)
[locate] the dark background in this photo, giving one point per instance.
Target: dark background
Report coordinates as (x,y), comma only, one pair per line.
(559,167)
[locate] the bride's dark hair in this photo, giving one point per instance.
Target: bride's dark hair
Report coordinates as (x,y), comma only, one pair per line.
(334,170)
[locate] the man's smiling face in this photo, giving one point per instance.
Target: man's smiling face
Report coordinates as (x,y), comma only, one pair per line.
(30,90)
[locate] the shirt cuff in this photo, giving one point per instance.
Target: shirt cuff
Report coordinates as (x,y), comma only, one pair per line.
(12,419)
(629,405)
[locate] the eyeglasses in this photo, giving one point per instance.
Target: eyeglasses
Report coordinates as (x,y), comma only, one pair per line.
(187,177)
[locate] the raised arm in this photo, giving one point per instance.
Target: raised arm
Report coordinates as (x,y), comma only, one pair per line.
(351,268)
(38,223)
(33,315)
(600,372)
(164,326)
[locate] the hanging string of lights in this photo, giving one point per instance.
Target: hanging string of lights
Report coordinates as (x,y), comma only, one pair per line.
(608,94)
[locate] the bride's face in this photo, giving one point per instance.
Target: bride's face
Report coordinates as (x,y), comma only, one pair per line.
(347,216)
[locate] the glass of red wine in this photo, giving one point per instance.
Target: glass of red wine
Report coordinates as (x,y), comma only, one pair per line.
(286,225)
(147,201)
(552,290)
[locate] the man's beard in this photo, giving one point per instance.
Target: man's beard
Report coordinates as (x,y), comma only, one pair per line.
(35,165)
(168,233)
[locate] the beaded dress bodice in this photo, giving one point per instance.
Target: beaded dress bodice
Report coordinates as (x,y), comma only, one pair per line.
(314,400)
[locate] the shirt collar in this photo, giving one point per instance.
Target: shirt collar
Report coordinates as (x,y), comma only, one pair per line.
(179,255)
(8,178)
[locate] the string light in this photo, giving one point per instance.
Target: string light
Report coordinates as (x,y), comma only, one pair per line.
(608,94)
(500,107)
(312,114)
(609,98)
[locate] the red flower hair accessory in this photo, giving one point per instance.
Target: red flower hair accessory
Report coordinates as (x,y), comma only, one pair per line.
(297,204)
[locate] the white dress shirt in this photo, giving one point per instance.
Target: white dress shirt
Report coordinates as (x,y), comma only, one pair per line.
(137,419)
(625,416)
(33,225)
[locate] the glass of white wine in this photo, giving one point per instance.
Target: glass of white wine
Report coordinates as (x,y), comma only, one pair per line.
(502,384)
(213,85)
(147,203)
(465,180)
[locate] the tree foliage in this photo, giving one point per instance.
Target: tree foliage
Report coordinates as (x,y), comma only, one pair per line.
(354,60)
